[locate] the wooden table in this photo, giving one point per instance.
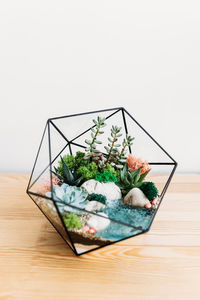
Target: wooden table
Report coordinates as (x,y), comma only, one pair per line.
(164,263)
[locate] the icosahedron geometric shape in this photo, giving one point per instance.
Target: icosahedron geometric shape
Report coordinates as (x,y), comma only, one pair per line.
(67,135)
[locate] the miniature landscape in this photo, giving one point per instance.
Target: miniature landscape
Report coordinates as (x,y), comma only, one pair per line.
(101,197)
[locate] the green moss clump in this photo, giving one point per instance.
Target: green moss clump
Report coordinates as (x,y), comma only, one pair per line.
(97,197)
(72,162)
(72,221)
(79,161)
(116,173)
(149,189)
(89,171)
(109,168)
(105,176)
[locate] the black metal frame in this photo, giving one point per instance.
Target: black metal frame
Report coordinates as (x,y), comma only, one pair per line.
(71,142)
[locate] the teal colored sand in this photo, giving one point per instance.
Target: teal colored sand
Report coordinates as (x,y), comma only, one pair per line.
(137,217)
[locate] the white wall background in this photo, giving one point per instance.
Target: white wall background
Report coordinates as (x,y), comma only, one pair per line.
(61,57)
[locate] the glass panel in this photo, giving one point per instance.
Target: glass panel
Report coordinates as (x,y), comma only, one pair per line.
(143,146)
(49,210)
(72,127)
(114,120)
(40,177)
(89,231)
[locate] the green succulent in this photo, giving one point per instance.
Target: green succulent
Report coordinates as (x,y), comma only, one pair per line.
(115,157)
(105,176)
(149,189)
(66,194)
(121,158)
(91,151)
(97,197)
(67,175)
(89,171)
(129,180)
(72,221)
(112,148)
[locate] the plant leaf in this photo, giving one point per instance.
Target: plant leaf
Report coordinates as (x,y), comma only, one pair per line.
(142,177)
(88,142)
(137,177)
(77,181)
(59,176)
(67,172)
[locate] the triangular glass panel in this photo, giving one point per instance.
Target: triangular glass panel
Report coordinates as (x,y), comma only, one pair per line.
(73,130)
(49,209)
(144,145)
(41,170)
(114,120)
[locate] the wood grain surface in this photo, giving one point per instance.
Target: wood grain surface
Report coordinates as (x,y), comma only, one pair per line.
(164,263)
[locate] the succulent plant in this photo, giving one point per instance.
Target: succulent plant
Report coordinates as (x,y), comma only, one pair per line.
(92,153)
(105,176)
(72,221)
(149,189)
(112,148)
(115,157)
(127,142)
(129,180)
(66,175)
(97,197)
(66,194)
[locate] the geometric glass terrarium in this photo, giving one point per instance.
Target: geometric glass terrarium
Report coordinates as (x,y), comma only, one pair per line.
(96,177)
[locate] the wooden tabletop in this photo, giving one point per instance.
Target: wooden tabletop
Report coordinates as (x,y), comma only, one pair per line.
(35,263)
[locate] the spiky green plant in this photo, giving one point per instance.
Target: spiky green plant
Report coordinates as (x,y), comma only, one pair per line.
(129,180)
(67,175)
(72,162)
(91,151)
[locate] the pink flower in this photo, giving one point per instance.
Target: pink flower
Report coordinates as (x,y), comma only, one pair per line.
(135,163)
(145,167)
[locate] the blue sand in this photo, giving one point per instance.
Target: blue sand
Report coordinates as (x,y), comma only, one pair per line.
(135,216)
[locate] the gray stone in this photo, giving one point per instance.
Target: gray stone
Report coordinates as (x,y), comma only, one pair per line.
(109,189)
(95,206)
(98,222)
(136,197)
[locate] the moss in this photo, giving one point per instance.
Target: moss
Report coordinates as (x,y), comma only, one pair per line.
(79,159)
(89,171)
(105,176)
(72,162)
(97,197)
(116,173)
(149,189)
(72,221)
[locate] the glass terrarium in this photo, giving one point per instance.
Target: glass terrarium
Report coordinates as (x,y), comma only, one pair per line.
(97,177)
